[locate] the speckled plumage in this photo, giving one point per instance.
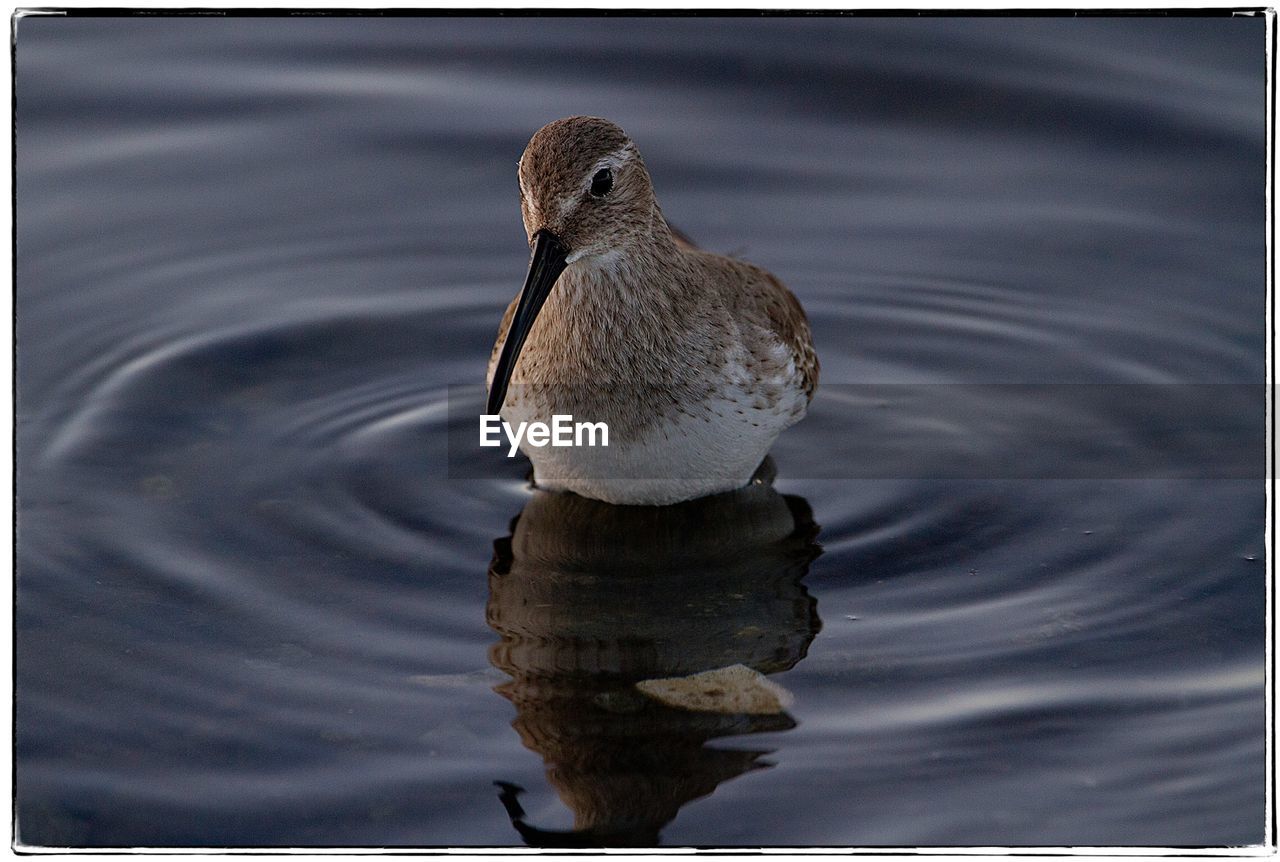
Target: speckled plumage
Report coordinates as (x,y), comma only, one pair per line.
(696,361)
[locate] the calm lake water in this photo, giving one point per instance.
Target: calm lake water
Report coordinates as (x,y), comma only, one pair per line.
(258,605)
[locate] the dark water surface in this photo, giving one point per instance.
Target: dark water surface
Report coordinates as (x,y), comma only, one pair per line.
(254,608)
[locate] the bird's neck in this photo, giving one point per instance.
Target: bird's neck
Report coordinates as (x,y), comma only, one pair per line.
(627,314)
(646,279)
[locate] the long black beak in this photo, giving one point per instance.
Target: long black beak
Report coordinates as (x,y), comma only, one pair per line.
(544,268)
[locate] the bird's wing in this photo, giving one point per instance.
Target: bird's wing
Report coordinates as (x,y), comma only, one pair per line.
(788,321)
(775,308)
(761,301)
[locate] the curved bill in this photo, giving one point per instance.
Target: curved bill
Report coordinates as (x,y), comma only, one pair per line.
(545,267)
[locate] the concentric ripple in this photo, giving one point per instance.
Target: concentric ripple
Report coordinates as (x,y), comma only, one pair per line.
(260,603)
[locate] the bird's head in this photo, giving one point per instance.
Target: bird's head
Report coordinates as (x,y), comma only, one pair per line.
(585,195)
(583,182)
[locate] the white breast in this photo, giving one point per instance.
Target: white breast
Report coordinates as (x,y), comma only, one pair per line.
(685,457)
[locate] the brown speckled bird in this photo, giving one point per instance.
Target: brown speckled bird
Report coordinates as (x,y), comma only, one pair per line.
(695,361)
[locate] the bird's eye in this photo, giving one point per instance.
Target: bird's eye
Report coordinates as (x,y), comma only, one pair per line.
(601,183)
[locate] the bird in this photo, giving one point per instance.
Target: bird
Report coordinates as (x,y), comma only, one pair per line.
(696,362)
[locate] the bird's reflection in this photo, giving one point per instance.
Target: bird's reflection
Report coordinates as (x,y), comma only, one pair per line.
(590,598)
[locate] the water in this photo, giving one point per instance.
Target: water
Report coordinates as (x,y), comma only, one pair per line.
(255,607)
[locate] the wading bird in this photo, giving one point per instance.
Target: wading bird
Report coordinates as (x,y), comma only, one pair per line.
(694,360)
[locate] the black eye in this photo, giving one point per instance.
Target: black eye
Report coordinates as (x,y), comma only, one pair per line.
(601,183)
